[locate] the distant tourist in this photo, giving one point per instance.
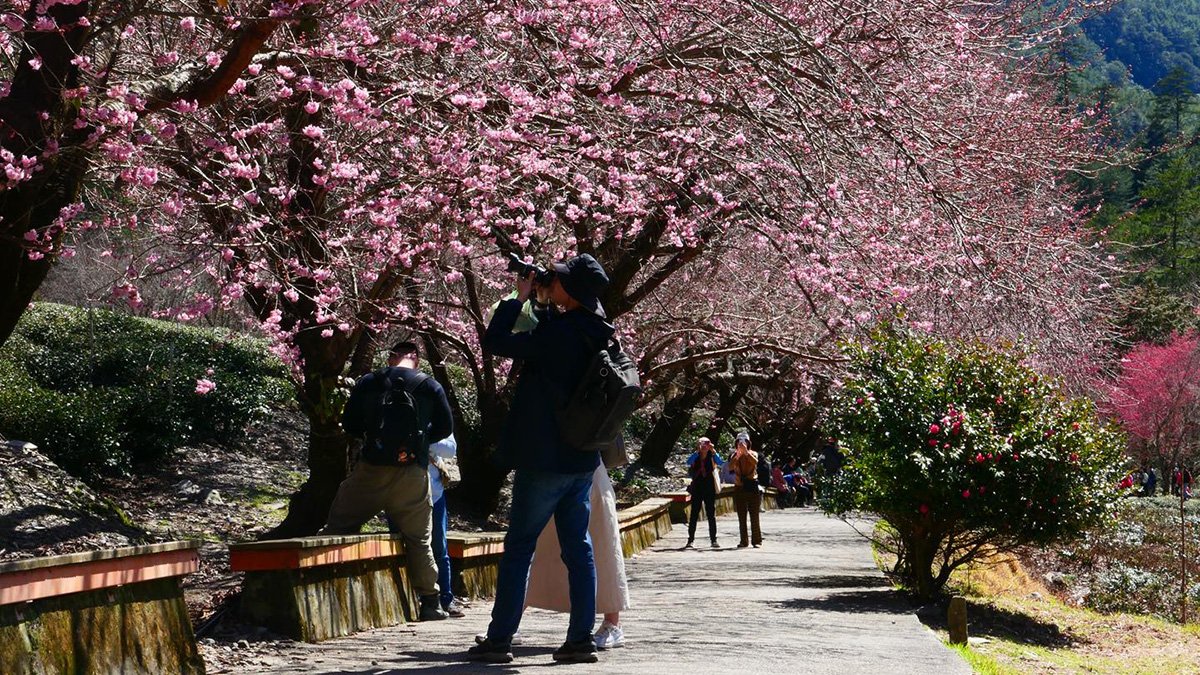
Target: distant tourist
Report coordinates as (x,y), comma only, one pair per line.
(703,466)
(1151,483)
(780,483)
(747,497)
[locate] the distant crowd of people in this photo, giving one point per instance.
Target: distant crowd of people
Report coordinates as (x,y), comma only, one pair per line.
(1144,482)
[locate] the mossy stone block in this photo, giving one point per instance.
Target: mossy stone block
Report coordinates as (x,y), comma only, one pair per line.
(137,628)
(319,603)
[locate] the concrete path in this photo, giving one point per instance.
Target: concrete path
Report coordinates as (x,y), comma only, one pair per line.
(810,601)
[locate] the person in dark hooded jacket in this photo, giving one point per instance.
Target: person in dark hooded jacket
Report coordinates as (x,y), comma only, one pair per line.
(552,477)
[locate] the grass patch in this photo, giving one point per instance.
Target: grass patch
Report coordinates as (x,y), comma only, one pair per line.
(1028,630)
(981,663)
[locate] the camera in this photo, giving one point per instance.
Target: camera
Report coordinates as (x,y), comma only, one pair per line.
(541,275)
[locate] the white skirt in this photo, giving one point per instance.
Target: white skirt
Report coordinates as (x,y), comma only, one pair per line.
(548,587)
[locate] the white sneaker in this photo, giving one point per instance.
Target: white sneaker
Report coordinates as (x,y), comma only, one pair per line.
(609,636)
(516,639)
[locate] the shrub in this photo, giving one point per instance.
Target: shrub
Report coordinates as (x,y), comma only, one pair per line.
(1131,564)
(964,451)
(99,390)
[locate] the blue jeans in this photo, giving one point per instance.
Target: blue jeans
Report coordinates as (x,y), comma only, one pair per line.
(537,495)
(441,554)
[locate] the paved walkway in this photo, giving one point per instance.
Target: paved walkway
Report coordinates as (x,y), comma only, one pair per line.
(810,601)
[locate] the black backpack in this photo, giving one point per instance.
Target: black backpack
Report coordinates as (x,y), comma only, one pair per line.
(608,393)
(395,435)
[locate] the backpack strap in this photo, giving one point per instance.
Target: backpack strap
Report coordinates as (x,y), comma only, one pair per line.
(385,381)
(591,343)
(415,381)
(410,385)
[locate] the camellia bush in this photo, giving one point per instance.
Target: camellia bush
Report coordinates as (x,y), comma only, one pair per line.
(963,452)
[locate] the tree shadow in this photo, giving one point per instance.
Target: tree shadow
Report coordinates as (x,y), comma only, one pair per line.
(832,581)
(986,620)
(852,602)
(73,523)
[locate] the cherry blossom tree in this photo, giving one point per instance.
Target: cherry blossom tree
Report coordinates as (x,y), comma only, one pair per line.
(77,79)
(1156,399)
(761,180)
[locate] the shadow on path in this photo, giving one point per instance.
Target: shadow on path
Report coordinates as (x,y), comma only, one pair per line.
(851,602)
(986,620)
(440,662)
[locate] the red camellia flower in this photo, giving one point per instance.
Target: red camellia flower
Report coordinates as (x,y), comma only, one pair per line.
(978,457)
(982,489)
(967,493)
(933,442)
(934,429)
(924,508)
(1074,457)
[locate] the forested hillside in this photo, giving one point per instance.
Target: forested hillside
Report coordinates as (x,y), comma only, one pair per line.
(1137,66)
(1151,37)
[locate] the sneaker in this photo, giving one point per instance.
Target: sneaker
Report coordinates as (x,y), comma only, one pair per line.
(455,609)
(689,544)
(583,651)
(609,636)
(743,545)
(492,652)
(431,610)
(715,544)
(516,640)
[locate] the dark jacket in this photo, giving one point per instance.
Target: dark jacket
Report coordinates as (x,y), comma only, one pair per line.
(433,409)
(704,473)
(554,356)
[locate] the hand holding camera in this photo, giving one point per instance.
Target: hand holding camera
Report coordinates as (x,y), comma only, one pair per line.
(529,277)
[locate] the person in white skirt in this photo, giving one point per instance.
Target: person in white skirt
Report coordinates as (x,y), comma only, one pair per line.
(548,576)
(548,587)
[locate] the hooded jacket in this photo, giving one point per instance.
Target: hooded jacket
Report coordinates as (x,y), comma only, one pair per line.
(554,357)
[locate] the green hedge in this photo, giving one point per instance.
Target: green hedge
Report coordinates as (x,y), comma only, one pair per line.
(99,391)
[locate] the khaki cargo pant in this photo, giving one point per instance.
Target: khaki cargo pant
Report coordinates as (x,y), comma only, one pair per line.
(403,493)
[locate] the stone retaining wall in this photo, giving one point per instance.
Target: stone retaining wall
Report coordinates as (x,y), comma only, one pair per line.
(474,558)
(474,561)
(316,588)
(111,611)
(681,503)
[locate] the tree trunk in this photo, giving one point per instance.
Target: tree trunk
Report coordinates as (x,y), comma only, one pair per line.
(482,480)
(20,278)
(676,414)
(322,399)
(32,114)
(729,400)
(1183,557)
(921,550)
(308,508)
